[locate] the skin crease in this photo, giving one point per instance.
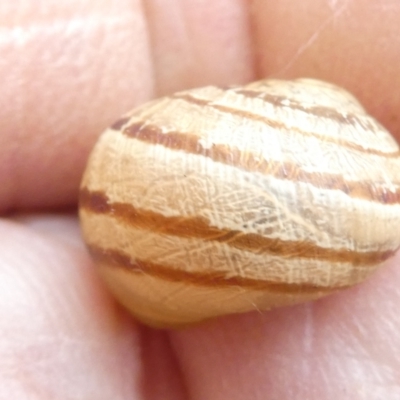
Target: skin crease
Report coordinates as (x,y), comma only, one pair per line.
(68,70)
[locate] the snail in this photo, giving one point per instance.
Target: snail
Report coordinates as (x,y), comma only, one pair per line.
(215,201)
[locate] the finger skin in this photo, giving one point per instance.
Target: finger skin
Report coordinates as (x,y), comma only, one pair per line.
(352,43)
(61,334)
(344,347)
(198,43)
(71,68)
(72,71)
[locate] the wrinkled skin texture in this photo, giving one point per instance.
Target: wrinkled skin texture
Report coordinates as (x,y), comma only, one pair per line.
(68,70)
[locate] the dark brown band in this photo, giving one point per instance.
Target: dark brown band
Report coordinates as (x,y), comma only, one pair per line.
(118,259)
(372,191)
(200,228)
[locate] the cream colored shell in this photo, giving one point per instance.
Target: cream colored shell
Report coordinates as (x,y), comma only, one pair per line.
(215,201)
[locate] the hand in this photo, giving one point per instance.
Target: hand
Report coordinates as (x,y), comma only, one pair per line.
(68,69)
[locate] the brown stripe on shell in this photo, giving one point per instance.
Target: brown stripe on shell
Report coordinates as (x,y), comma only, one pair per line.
(119,259)
(317,111)
(200,228)
(190,143)
(117,125)
(277,101)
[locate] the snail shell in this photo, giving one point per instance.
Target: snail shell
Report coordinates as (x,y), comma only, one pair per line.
(222,200)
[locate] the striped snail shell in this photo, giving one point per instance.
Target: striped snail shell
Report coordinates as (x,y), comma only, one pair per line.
(222,200)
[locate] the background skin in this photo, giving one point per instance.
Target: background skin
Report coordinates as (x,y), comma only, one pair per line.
(67,70)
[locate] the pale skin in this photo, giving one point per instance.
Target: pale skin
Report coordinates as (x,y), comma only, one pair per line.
(68,69)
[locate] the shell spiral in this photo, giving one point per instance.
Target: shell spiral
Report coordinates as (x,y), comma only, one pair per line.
(221,200)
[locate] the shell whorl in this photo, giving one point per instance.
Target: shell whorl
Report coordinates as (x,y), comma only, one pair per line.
(213,201)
